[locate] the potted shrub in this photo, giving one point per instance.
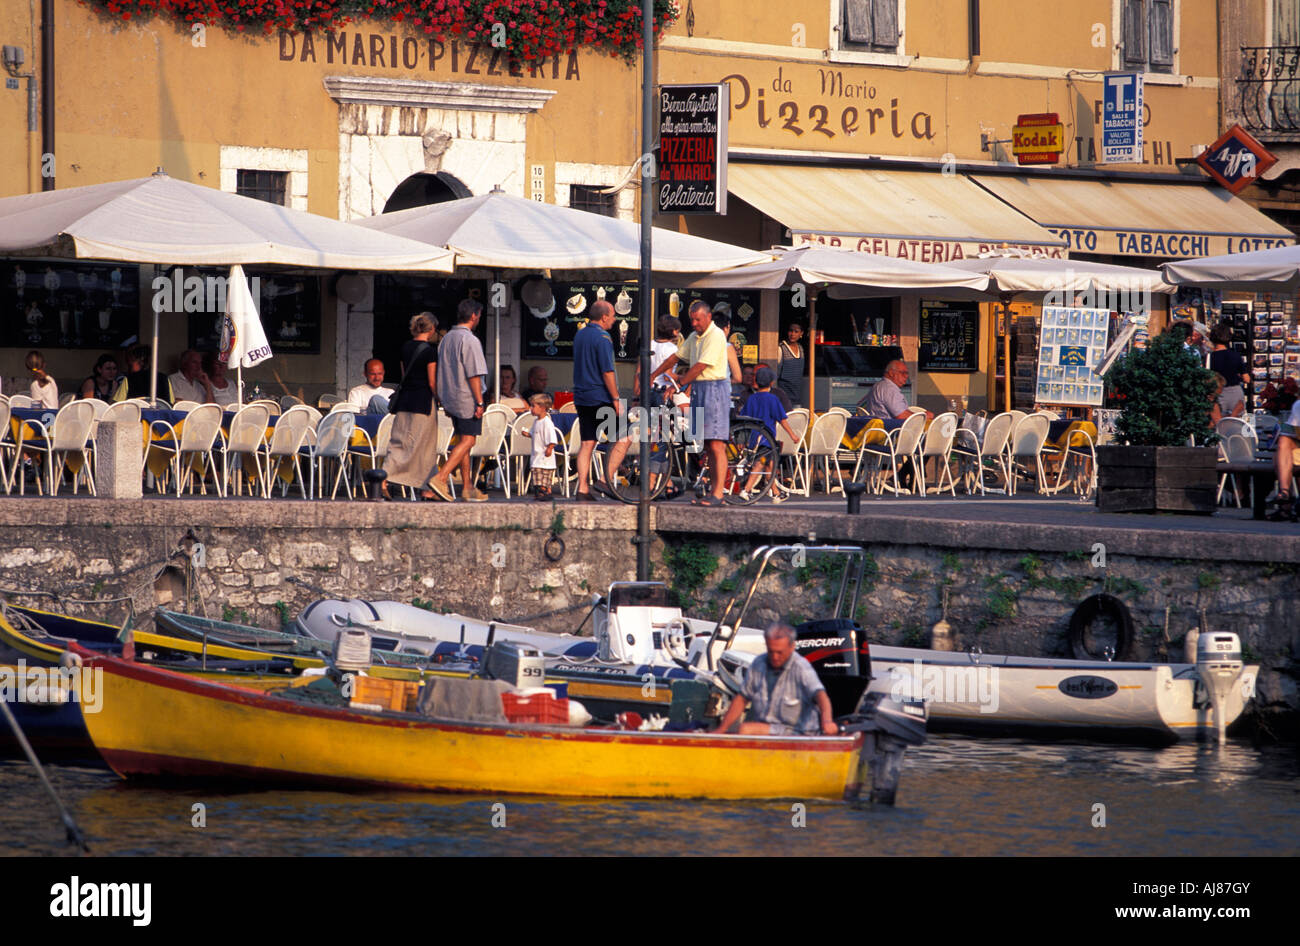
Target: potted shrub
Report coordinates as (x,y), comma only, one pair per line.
(1164,396)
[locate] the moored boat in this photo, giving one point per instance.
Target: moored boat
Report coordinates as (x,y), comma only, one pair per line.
(158,723)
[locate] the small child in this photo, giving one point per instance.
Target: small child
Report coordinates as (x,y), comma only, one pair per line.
(544,437)
(764,406)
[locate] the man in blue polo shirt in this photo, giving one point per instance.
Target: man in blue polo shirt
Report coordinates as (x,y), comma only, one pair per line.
(595,395)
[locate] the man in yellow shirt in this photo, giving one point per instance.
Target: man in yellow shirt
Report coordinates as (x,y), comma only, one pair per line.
(709,377)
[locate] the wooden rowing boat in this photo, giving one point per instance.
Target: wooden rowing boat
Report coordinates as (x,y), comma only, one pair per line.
(158,723)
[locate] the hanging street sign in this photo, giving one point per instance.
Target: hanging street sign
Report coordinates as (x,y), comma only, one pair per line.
(693,149)
(1038,138)
(1121,119)
(1236,159)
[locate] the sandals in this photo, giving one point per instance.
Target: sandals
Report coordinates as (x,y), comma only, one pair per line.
(1286,510)
(708,501)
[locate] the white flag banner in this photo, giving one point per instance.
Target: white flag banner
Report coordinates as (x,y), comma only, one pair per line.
(243,340)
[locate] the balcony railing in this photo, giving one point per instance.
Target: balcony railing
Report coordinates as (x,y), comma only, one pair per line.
(1268,90)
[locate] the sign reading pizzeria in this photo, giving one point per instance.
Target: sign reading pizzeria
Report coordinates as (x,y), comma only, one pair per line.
(1038,138)
(693,149)
(1236,159)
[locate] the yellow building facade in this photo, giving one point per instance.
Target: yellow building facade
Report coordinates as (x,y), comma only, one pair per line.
(879,125)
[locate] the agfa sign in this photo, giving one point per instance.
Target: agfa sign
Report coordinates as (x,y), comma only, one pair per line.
(1236,159)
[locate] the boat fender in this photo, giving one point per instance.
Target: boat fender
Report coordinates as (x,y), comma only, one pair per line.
(1088,611)
(553,548)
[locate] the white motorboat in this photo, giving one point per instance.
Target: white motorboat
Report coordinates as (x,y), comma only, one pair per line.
(995,693)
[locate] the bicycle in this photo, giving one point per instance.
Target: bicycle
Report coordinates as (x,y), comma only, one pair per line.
(752,454)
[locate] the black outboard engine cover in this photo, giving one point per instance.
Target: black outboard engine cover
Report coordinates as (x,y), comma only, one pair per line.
(838,651)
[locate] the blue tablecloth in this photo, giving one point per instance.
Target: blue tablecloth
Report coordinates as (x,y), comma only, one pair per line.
(41,414)
(149,415)
(855,425)
(564,422)
(369,423)
(1056,428)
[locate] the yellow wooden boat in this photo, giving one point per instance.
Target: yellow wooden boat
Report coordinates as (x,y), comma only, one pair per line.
(158,723)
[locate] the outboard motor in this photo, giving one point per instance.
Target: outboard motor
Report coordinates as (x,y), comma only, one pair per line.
(838,651)
(517,664)
(1219,665)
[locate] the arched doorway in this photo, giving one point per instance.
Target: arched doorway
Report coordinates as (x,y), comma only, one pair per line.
(419,190)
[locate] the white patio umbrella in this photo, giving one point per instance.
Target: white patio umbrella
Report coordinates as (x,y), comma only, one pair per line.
(819,266)
(161,220)
(1275,270)
(1038,275)
(498,231)
(243,339)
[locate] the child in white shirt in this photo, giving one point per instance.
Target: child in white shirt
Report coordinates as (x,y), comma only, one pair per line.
(544,437)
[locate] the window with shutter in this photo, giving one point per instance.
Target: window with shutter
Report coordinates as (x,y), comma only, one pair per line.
(884,22)
(1135,54)
(871,24)
(1162,35)
(857,21)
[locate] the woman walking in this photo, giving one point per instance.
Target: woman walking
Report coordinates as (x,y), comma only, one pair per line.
(413,446)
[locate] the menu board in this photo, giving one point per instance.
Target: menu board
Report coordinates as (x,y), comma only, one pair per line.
(950,335)
(1072,343)
(693,149)
(744,314)
(549,332)
(68,305)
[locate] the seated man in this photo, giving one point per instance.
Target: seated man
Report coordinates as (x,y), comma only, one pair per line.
(190,383)
(371,397)
(1288,443)
(783,688)
(886,399)
(536,383)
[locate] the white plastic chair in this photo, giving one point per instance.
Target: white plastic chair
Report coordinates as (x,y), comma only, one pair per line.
(897,445)
(1234,449)
(824,442)
(569,408)
(991,448)
(8,448)
(195,444)
(327,401)
(66,436)
(446,430)
(185,406)
(517,449)
(937,443)
(246,437)
(333,442)
(497,419)
(286,443)
(569,446)
(272,406)
(289,401)
(1237,426)
(1079,446)
(20,401)
(793,450)
(369,454)
(343,407)
(1026,441)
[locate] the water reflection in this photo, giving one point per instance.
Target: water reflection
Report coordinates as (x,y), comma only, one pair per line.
(959,796)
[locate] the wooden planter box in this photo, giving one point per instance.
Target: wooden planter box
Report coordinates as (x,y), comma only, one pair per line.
(1156,479)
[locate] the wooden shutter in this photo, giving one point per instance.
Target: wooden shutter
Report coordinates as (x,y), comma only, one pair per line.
(1162,34)
(1135,54)
(884,24)
(857,21)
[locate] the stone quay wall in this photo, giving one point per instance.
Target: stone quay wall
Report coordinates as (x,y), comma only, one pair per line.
(1010,587)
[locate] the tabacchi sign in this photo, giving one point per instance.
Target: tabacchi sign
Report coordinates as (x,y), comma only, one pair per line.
(693,149)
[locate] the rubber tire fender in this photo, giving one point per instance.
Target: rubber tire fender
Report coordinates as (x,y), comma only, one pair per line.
(1091,608)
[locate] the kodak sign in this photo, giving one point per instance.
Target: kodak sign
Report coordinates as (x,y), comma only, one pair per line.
(1038,138)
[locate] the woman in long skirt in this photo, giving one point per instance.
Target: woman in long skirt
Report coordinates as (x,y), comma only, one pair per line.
(413,446)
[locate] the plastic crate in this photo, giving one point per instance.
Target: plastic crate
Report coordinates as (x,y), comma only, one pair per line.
(392,695)
(535,708)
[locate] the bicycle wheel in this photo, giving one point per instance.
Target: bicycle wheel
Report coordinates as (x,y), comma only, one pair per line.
(752,455)
(627,484)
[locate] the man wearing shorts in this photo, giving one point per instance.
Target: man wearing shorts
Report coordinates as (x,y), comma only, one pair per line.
(709,377)
(1288,444)
(461,372)
(595,393)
